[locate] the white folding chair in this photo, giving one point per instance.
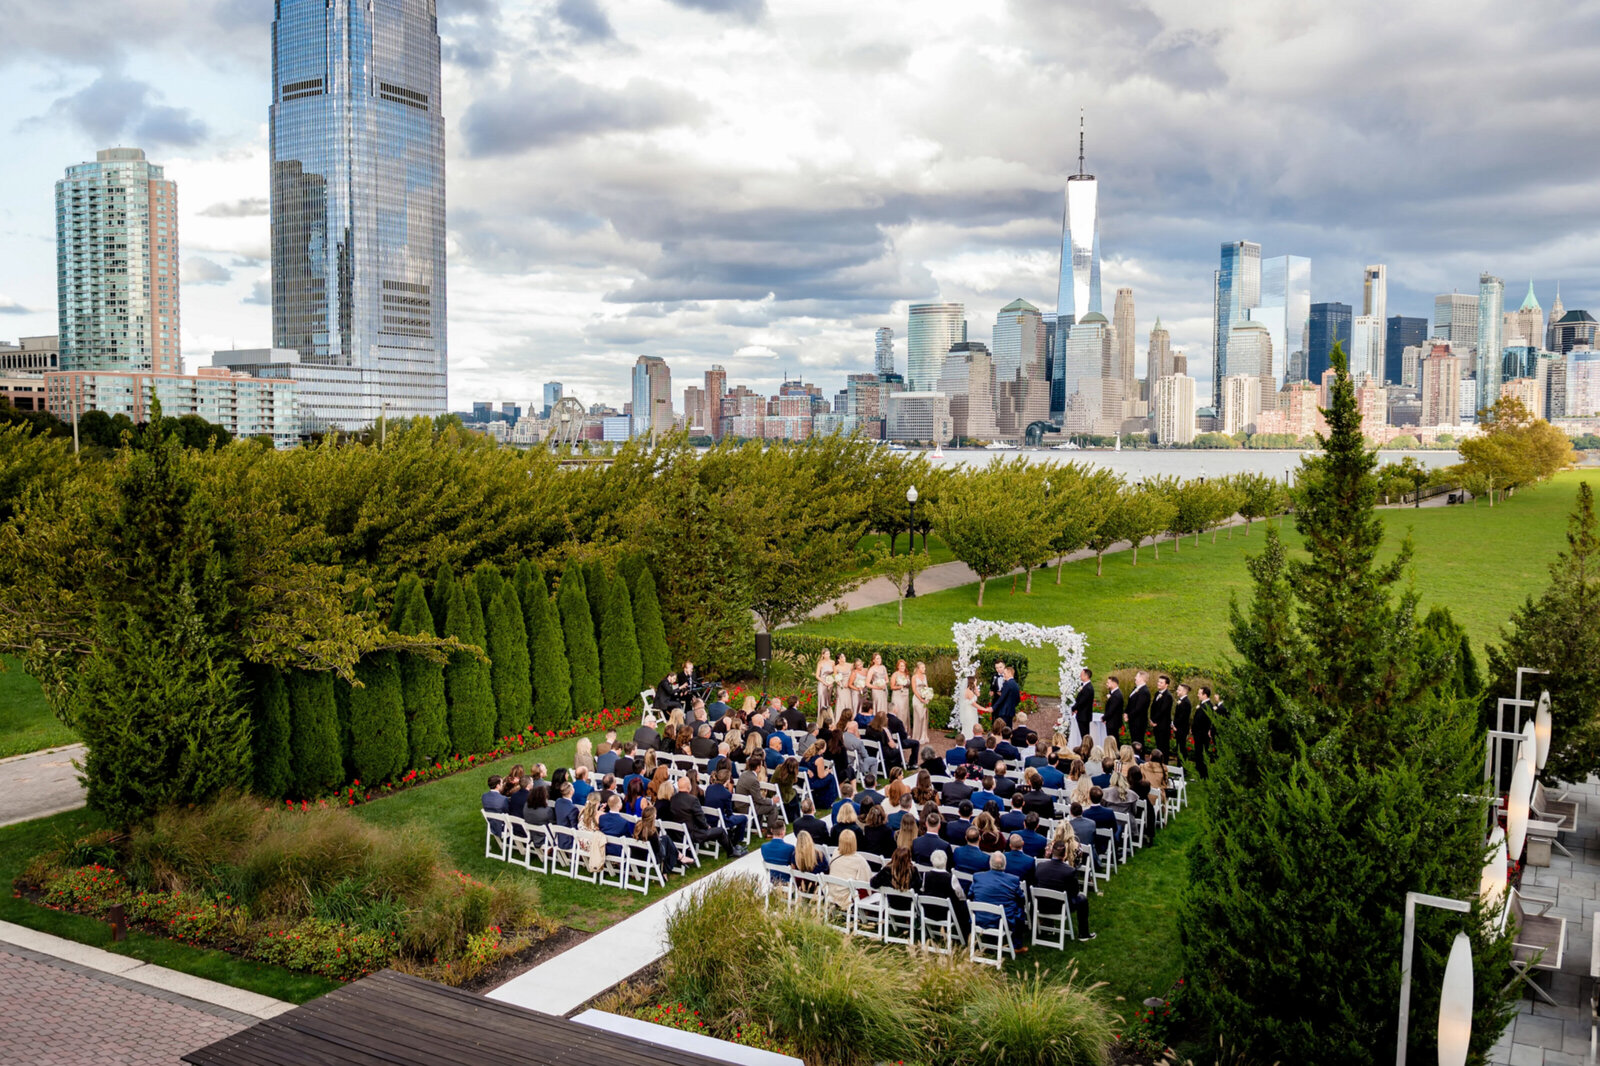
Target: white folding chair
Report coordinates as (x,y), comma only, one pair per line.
(899,916)
(647,701)
(1052,928)
(494,844)
(779,884)
(1140,818)
(614,874)
(829,887)
(868,914)
(1091,881)
(746,806)
(518,842)
(996,940)
(678,833)
(1106,852)
(542,849)
(641,867)
(940,930)
(711,849)
(875,756)
(580,855)
(964,879)
(1180,781)
(808,890)
(1126,821)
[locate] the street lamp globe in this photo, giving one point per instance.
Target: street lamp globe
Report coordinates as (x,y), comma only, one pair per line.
(1455,1004)
(911,494)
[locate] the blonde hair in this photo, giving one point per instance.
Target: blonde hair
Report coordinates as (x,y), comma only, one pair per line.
(805,852)
(847,844)
(590,818)
(749,705)
(1125,753)
(585,746)
(1064,834)
(847,815)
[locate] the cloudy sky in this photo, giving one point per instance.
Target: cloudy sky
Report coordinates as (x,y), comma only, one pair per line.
(762,183)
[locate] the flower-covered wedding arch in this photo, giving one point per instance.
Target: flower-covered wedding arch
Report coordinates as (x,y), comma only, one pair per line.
(970,635)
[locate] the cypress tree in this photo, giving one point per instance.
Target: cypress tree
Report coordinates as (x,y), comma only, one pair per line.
(631,566)
(421,680)
(583,655)
(341,713)
(461,680)
(379,741)
(439,596)
(489,583)
(552,678)
(509,669)
(314,733)
(528,577)
(483,709)
(620,669)
(270,735)
(655,658)
(594,585)
(1339,786)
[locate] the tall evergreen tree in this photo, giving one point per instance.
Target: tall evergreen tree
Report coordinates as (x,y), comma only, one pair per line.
(620,668)
(529,576)
(270,735)
(508,659)
(464,691)
(552,678)
(487,577)
(439,596)
(655,658)
(594,585)
(631,566)
(485,713)
(583,655)
(379,741)
(421,679)
(314,733)
(1337,789)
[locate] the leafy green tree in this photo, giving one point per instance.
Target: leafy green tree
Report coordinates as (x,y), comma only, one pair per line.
(1146,512)
(1559,631)
(422,683)
(509,666)
(466,677)
(620,665)
(1258,497)
(270,736)
(552,677)
(1115,524)
(1514,448)
(314,733)
(379,740)
(630,567)
(1339,786)
(995,520)
(902,571)
(488,582)
(655,658)
(1222,503)
(583,654)
(1077,506)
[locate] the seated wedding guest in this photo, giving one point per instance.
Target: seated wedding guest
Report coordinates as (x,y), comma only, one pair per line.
(932,763)
(1103,778)
(957,789)
(847,822)
(1083,828)
(847,795)
(495,800)
(955,757)
(613,824)
(787,778)
(969,858)
(645,738)
(537,810)
(888,741)
(869,796)
(1139,787)
(749,786)
(1117,795)
(1058,874)
(990,836)
(720,797)
(701,746)
(1005,786)
(633,799)
(1022,735)
(1102,816)
(907,834)
(900,874)
(938,884)
(1035,799)
(850,739)
(1033,841)
(565,808)
(847,865)
(604,762)
(896,787)
(778,852)
(809,822)
(1004,747)
(1040,756)
(955,830)
(996,886)
(793,718)
(517,798)
(686,808)
(723,758)
(987,757)
(1155,772)
(922,792)
(645,829)
(1011,820)
(906,809)
(774,752)
(824,785)
(877,837)
(808,858)
(931,841)
(1078,783)
(1050,775)
(985,796)
(583,757)
(1018,861)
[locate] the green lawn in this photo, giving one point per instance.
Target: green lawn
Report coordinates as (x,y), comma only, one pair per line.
(20,843)
(26,723)
(1479,561)
(938,551)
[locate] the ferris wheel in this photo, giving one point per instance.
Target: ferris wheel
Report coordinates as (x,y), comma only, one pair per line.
(566,421)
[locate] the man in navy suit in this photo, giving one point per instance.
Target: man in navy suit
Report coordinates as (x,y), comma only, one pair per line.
(606,760)
(1102,816)
(994,885)
(1012,819)
(955,830)
(969,858)
(1018,862)
(1033,841)
(1058,875)
(495,800)
(566,810)
(1005,704)
(1083,702)
(924,846)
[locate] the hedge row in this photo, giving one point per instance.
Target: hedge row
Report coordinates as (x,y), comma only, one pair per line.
(810,647)
(1182,673)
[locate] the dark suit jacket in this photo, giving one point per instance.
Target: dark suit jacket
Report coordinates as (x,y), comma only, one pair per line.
(566,813)
(1138,710)
(1002,888)
(1180,719)
(1115,702)
(810,823)
(1083,706)
(604,762)
(1161,709)
(954,831)
(878,839)
(924,846)
(1005,705)
(686,809)
(1011,821)
(1057,876)
(645,738)
(953,793)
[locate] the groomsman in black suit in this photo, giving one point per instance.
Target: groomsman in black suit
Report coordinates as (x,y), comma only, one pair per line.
(1161,714)
(1201,728)
(1114,704)
(1139,709)
(1180,718)
(1083,702)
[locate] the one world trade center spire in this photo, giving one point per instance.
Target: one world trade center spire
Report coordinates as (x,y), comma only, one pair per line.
(1079,290)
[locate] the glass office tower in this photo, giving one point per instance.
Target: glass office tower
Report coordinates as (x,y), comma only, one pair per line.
(1330,325)
(1078,291)
(1285,309)
(358,209)
(1491,327)
(1236,289)
(931,331)
(1400,333)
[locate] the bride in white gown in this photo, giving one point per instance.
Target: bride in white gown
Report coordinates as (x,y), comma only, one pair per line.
(967,708)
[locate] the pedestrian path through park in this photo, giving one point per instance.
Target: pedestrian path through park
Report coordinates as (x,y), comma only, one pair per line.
(40,784)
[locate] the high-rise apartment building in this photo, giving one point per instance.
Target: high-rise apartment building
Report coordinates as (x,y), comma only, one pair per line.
(931,331)
(694,409)
(1583,383)
(1094,397)
(1573,329)
(1330,325)
(1491,326)
(883,350)
(1366,346)
(1375,292)
(1524,327)
(358,203)
(1241,403)
(969,374)
(1250,354)
(1078,287)
(1022,389)
(552,396)
(1173,399)
(1157,359)
(1455,319)
(1284,308)
(1122,321)
(1236,289)
(716,387)
(117,265)
(1440,376)
(652,397)
(1400,333)
(1555,387)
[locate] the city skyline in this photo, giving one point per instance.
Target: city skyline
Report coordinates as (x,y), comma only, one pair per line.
(845,221)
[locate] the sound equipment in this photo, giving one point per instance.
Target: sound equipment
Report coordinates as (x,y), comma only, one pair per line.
(764,647)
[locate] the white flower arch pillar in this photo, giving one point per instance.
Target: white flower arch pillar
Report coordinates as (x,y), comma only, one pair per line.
(1069,644)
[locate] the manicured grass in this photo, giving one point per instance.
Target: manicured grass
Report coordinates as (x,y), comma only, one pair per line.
(938,551)
(1480,562)
(26,723)
(449,810)
(20,843)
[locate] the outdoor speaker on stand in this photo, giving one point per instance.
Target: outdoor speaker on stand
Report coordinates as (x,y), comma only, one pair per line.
(764,656)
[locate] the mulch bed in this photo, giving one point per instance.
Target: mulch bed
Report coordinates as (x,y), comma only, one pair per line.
(525,960)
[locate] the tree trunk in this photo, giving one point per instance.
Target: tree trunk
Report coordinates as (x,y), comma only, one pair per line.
(1155,544)
(1214,535)
(1029,589)
(1247,525)
(1061,561)
(1136,552)
(1099,563)
(893,536)
(982,581)
(902,620)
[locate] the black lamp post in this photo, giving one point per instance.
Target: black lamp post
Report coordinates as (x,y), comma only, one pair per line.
(911,582)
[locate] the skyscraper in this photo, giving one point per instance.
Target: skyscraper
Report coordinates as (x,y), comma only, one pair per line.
(552,396)
(1285,309)
(1375,292)
(117,265)
(1366,346)
(1122,320)
(716,388)
(1491,327)
(1440,377)
(1525,325)
(1400,333)
(1094,397)
(358,204)
(1173,398)
(931,330)
(883,350)
(1158,359)
(1022,390)
(967,379)
(652,396)
(1236,289)
(1455,319)
(1078,290)
(1556,312)
(1330,325)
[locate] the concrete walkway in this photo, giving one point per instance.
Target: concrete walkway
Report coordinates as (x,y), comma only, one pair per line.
(40,784)
(562,984)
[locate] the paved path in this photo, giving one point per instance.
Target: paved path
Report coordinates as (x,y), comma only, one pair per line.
(32,786)
(67,1004)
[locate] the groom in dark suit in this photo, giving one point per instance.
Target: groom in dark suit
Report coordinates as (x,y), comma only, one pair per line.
(1114,704)
(1161,714)
(1010,694)
(1083,702)
(1138,709)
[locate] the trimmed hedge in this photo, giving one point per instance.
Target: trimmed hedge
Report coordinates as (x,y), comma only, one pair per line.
(811,647)
(1182,673)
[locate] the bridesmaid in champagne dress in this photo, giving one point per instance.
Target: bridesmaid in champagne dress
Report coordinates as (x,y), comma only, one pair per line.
(858,687)
(921,693)
(878,684)
(824,683)
(841,689)
(899,693)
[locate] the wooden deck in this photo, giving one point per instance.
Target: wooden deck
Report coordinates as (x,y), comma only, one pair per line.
(392,1019)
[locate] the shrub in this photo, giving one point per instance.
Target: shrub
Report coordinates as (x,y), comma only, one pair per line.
(331,949)
(270,735)
(620,669)
(508,663)
(379,741)
(817,993)
(421,679)
(583,655)
(314,733)
(466,682)
(1031,1022)
(93,889)
(730,914)
(655,659)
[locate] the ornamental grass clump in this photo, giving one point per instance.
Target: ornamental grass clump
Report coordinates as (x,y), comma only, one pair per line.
(1033,1021)
(839,1003)
(730,915)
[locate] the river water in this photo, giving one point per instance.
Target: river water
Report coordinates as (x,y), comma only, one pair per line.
(1182,463)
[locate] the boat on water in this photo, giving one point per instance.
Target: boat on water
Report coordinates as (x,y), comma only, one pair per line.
(1118,448)
(1000,446)
(896,446)
(938,451)
(1069,446)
